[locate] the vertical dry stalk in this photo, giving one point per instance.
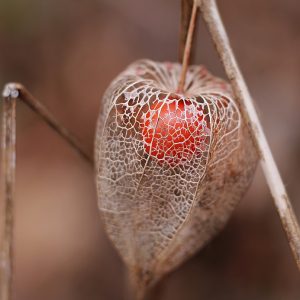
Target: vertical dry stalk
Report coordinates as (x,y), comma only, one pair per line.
(186,12)
(188,46)
(8,169)
(215,25)
(11,93)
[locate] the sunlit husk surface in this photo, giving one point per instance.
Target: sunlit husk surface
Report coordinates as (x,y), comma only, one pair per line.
(157,213)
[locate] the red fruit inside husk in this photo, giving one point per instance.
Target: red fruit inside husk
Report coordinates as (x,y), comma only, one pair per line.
(175,130)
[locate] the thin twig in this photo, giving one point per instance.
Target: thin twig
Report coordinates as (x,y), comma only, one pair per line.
(8,165)
(11,93)
(215,25)
(24,95)
(188,46)
(186,12)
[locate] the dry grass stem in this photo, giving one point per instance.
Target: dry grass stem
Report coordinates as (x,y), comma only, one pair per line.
(11,93)
(186,12)
(8,172)
(43,112)
(188,46)
(244,100)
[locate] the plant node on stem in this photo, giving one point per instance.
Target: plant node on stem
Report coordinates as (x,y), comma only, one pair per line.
(8,146)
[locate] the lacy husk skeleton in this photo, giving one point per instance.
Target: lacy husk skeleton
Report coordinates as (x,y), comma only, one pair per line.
(159,212)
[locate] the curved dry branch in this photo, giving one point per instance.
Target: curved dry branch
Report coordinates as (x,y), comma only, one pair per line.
(20,92)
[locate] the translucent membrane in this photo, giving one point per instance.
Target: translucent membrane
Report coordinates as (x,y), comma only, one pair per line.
(170,167)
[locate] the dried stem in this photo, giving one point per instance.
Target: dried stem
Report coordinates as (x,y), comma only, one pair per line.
(188,46)
(11,93)
(215,25)
(8,165)
(138,290)
(23,94)
(186,12)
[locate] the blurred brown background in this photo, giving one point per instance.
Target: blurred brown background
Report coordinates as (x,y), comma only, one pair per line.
(67,52)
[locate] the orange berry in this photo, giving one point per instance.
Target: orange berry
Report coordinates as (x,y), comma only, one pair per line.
(175,130)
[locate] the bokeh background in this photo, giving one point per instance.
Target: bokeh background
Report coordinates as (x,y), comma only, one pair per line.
(67,52)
